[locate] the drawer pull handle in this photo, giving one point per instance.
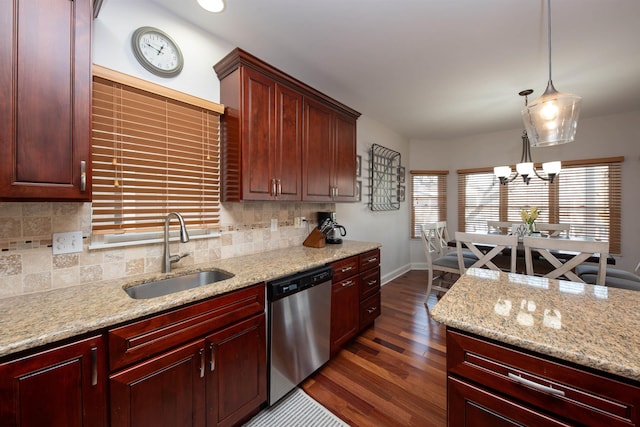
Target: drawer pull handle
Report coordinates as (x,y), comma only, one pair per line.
(94,366)
(212,362)
(345,269)
(374,259)
(348,283)
(539,387)
(201,352)
(372,282)
(371,309)
(83,176)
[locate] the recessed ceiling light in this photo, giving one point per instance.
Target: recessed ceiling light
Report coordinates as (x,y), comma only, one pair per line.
(215,6)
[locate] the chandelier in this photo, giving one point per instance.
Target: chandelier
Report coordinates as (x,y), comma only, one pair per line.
(552,119)
(526,168)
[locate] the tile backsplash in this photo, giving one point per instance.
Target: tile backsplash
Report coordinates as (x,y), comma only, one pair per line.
(27,263)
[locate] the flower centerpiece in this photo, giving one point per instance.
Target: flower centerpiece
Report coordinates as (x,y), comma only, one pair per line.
(529,216)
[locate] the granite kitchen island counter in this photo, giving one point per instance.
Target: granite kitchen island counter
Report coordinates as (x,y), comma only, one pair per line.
(36,319)
(592,326)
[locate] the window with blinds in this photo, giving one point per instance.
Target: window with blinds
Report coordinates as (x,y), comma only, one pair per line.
(152,154)
(428,198)
(586,194)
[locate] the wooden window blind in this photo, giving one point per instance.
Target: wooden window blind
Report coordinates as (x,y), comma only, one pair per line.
(586,194)
(478,201)
(428,198)
(151,154)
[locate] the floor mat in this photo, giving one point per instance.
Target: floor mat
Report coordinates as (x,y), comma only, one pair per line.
(296,409)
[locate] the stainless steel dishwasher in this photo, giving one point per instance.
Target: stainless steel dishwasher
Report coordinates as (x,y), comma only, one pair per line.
(299,328)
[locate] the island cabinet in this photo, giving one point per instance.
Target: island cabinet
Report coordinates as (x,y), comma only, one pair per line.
(45,100)
(278,135)
(64,386)
(201,365)
(490,383)
(329,154)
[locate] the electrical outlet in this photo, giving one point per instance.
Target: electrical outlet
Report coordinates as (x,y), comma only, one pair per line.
(67,243)
(274,224)
(296,222)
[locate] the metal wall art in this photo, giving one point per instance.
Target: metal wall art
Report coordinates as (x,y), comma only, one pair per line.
(384,172)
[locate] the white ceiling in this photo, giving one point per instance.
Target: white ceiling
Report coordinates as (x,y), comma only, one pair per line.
(441,69)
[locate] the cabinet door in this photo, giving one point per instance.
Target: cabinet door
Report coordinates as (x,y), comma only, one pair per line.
(344,158)
(237,361)
(45,85)
(345,311)
(288,150)
(469,405)
(317,167)
(168,390)
(258,136)
(62,387)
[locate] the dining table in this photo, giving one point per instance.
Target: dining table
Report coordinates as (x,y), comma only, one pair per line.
(540,264)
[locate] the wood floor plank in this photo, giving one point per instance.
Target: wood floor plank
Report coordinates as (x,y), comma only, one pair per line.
(394,373)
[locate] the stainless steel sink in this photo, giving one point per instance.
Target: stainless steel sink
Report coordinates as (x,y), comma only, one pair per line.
(176,284)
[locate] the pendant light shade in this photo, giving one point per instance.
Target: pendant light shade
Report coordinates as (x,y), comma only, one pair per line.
(552,119)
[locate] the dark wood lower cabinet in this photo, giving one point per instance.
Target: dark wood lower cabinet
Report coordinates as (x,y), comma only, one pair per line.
(216,381)
(60,387)
(345,309)
(238,365)
(168,390)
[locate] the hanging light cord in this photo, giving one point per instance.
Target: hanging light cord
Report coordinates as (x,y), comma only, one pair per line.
(549,34)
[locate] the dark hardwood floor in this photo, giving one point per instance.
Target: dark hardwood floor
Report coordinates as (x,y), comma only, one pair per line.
(394,373)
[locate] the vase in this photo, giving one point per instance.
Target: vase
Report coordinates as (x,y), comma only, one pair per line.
(532,228)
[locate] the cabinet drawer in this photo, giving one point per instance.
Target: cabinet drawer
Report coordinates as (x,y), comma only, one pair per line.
(148,337)
(369,259)
(345,268)
(369,283)
(369,310)
(575,394)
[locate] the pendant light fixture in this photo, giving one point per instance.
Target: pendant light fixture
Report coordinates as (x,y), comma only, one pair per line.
(552,119)
(526,168)
(215,6)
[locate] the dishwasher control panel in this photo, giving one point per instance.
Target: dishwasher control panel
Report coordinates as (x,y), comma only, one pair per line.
(297,282)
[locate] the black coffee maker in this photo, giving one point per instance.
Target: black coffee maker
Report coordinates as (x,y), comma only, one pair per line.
(334,231)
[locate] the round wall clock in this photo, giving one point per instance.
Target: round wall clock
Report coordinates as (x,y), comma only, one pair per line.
(157,52)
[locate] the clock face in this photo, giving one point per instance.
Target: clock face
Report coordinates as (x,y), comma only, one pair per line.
(157,52)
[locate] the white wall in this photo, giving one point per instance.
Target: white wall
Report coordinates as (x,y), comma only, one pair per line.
(609,136)
(391,228)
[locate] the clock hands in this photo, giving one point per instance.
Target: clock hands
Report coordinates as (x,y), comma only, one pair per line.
(159,51)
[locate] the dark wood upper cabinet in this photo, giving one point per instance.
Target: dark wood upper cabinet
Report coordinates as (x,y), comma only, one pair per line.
(45,100)
(281,139)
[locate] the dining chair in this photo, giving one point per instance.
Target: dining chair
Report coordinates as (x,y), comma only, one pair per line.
(440,257)
(498,244)
(502,227)
(583,250)
(614,277)
(554,230)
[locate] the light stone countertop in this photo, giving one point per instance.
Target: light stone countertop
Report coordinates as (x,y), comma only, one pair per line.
(593,326)
(32,320)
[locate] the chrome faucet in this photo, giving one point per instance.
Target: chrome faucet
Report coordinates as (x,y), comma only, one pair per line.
(184,238)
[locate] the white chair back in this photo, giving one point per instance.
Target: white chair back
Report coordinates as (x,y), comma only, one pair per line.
(496,242)
(502,227)
(583,249)
(554,230)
